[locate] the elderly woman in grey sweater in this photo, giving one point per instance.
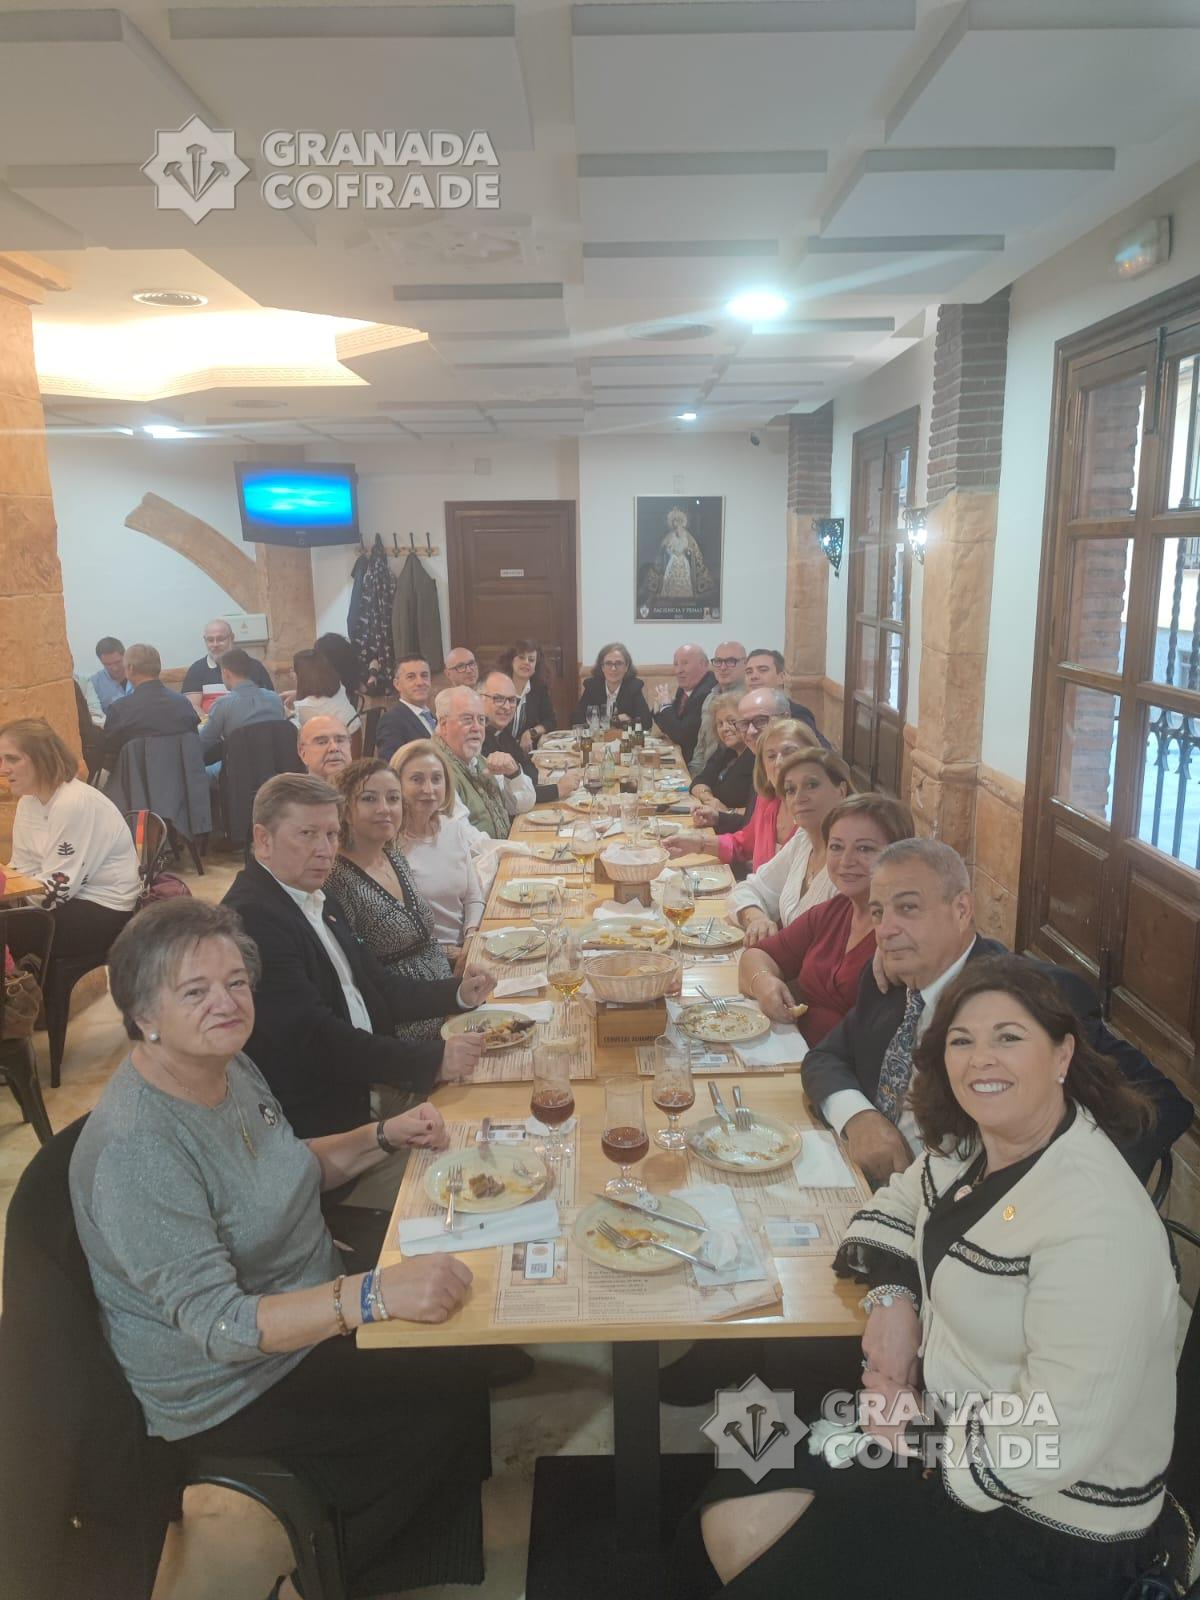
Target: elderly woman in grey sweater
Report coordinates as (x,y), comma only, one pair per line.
(221,1290)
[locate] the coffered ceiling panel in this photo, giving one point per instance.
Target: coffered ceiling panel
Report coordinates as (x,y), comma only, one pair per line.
(688,207)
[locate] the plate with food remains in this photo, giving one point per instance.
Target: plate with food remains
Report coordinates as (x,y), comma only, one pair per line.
(662,828)
(637,1228)
(710,933)
(509,1178)
(527,891)
(550,818)
(724,1024)
(516,945)
(627,933)
(659,799)
(560,852)
(765,1147)
(501,1029)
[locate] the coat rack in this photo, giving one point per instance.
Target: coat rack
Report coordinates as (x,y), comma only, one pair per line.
(428,549)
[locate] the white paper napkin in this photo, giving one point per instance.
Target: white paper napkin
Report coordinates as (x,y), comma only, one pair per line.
(519,985)
(539,1010)
(821,1165)
(631,910)
(426,1236)
(728,1241)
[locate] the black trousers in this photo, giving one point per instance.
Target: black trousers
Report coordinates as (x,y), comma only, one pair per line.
(381,1435)
(81,927)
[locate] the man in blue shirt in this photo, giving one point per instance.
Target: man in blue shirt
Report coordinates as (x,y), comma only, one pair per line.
(110,683)
(245,703)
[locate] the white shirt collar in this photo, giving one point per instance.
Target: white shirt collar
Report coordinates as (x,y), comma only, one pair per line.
(932,991)
(310,901)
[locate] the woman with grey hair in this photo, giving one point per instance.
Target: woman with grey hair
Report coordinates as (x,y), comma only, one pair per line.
(220,1289)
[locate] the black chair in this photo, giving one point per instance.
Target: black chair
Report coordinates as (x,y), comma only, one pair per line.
(54,1337)
(251,755)
(150,839)
(370,722)
(58,982)
(33,933)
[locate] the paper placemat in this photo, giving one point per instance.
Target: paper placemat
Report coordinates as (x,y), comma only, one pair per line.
(561,1285)
(414,1200)
(479,961)
(782,1194)
(708,1061)
(516,1066)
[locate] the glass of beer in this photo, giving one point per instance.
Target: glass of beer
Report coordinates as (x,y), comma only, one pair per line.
(673,1091)
(585,844)
(678,901)
(565,970)
(624,1139)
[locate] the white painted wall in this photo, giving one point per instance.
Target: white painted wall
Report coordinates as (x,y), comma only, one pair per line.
(903,383)
(1071,291)
(613,470)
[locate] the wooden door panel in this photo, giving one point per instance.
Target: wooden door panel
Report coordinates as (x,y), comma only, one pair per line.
(1162,950)
(889,748)
(1074,892)
(859,754)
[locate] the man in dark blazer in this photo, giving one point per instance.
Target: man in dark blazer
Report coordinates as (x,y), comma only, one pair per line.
(412,717)
(857,1076)
(325,1009)
(765,669)
(150,710)
(499,695)
(680,721)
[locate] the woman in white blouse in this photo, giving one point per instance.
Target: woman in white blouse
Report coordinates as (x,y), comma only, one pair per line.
(436,845)
(70,837)
(810,782)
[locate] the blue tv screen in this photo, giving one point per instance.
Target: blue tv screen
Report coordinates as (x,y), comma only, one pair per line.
(303,504)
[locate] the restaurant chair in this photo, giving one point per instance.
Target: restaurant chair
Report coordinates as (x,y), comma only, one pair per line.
(250,756)
(91,1520)
(33,932)
(150,841)
(1160,1187)
(370,722)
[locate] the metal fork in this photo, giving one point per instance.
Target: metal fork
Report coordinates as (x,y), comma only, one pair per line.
(718,1005)
(620,1242)
(454,1186)
(743,1116)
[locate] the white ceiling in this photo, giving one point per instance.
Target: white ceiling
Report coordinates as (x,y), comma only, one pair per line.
(868,157)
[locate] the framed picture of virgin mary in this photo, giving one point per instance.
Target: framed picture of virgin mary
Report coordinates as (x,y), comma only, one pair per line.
(679,545)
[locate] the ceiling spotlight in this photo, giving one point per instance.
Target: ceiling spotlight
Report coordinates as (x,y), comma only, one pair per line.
(170,299)
(168,430)
(686,416)
(757,305)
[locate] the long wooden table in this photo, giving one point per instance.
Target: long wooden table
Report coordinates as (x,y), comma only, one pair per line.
(17,886)
(814,1303)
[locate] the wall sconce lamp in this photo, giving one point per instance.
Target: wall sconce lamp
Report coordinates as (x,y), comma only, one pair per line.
(830,532)
(916,529)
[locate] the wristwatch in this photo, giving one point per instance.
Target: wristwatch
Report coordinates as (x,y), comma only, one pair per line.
(382,1140)
(887,1295)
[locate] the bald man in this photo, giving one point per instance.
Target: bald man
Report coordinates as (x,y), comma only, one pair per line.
(462,669)
(202,682)
(324,747)
(680,721)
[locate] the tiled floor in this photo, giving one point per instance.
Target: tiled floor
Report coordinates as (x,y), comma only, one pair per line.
(227,1548)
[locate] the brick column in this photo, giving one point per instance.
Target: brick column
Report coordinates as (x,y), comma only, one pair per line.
(810,450)
(970,359)
(35,660)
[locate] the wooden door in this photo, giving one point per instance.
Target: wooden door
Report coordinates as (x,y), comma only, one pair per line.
(512,576)
(878,576)
(1111,881)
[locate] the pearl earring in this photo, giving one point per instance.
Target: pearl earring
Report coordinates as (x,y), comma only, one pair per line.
(1063,1079)
(154,1038)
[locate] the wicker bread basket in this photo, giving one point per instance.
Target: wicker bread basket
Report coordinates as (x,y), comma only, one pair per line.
(629,976)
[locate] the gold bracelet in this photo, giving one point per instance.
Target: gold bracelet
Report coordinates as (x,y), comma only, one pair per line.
(342,1329)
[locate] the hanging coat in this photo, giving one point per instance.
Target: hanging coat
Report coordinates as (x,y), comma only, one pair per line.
(371,627)
(416,619)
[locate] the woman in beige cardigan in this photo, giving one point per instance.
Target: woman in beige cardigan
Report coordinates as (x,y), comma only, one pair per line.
(1019,1349)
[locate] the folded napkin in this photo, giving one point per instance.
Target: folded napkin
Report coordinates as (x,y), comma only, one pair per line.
(631,910)
(728,1241)
(426,1236)
(821,1165)
(520,985)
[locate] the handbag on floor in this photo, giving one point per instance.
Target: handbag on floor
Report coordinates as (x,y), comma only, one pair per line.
(22,996)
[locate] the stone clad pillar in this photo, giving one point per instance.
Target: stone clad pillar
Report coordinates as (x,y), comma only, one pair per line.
(35,660)
(810,452)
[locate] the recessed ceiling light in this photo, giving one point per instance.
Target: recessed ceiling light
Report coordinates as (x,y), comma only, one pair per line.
(757,305)
(168,430)
(686,416)
(170,299)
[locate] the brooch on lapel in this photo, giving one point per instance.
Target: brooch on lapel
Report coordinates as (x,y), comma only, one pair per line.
(268,1113)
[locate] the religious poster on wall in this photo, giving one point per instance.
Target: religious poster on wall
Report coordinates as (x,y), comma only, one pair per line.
(679,551)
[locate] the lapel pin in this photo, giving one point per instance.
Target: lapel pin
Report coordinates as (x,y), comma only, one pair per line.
(1009,1213)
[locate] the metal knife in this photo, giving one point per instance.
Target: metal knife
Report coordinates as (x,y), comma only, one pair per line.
(659,1216)
(719,1105)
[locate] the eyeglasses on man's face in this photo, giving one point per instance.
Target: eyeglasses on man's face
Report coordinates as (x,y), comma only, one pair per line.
(728,661)
(758,723)
(500,699)
(470,719)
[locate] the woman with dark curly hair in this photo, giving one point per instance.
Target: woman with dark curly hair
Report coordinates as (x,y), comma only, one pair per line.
(614,689)
(525,663)
(1019,1353)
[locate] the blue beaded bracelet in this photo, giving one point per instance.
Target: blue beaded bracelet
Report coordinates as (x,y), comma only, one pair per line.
(366,1310)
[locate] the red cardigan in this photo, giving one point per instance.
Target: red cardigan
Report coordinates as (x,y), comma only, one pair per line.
(755,842)
(811,952)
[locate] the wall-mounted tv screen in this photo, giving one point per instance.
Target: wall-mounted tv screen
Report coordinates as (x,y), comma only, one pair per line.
(302,504)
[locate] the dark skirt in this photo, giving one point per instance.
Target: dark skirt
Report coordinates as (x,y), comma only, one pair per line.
(893,1533)
(380,1434)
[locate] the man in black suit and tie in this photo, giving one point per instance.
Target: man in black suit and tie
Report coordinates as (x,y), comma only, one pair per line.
(325,1009)
(413,717)
(858,1076)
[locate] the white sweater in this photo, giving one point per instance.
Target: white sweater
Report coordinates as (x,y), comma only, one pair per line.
(778,886)
(79,845)
(1064,1287)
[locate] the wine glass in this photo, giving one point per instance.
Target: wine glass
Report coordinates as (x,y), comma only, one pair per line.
(593,780)
(585,844)
(678,900)
(551,1099)
(547,912)
(565,969)
(673,1091)
(624,1139)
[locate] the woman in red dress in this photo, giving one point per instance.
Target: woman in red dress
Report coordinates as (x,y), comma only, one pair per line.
(819,958)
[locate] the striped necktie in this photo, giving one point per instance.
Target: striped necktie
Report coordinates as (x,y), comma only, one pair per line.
(896,1070)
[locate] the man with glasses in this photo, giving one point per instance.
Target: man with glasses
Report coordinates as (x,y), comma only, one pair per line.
(679,719)
(502,749)
(756,710)
(765,670)
(728,668)
(461,729)
(462,669)
(202,682)
(411,718)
